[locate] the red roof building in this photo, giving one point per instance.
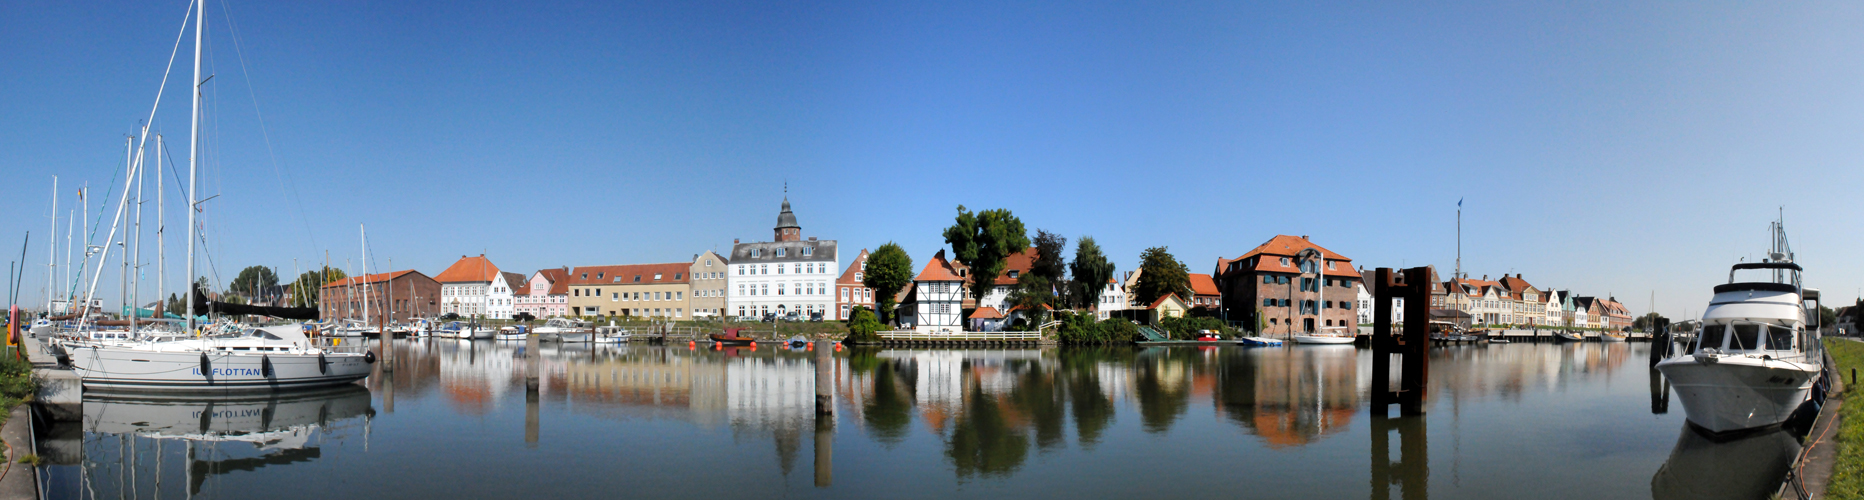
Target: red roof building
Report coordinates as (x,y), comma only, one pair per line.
(849,289)
(400,295)
(1289,284)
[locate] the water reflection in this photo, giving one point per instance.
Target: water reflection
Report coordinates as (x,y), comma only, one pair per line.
(995,417)
(1745,467)
(133,442)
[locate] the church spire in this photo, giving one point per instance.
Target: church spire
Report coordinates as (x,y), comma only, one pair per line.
(786,229)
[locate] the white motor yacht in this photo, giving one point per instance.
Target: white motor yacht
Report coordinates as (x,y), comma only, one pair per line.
(250,359)
(1755,359)
(461,330)
(612,335)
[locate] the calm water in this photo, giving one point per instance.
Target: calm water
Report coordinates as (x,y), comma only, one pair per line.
(1502,421)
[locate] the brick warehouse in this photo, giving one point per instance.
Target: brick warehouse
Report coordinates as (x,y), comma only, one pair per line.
(415,296)
(1289,285)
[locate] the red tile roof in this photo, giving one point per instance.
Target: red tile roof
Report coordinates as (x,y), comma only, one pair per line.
(559,279)
(938,269)
(469,270)
(1515,286)
(672,272)
(986,312)
(854,266)
(373,278)
(1020,262)
(1289,246)
(1161,301)
(1201,284)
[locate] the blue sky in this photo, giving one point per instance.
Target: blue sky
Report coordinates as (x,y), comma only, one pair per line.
(1607,148)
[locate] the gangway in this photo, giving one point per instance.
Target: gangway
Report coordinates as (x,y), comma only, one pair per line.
(1152,335)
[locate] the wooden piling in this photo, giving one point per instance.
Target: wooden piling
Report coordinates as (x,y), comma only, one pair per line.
(824,377)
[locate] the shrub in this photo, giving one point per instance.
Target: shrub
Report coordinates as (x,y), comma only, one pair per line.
(862,325)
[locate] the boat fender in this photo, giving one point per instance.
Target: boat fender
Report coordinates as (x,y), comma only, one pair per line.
(206,367)
(265,366)
(323,367)
(369,357)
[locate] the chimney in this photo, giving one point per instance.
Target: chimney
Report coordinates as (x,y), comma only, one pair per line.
(811,238)
(734,241)
(1303,237)
(1517,275)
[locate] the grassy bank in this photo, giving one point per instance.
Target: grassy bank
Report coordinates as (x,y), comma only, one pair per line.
(16,384)
(1848,472)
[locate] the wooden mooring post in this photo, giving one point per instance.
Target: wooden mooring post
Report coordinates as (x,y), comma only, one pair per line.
(1412,346)
(824,377)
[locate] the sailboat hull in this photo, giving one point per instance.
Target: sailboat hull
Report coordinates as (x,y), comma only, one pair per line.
(110,368)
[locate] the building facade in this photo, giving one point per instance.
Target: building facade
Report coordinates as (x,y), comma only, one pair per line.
(1204,293)
(466,286)
(850,292)
(547,295)
(709,276)
(1288,285)
(406,295)
(935,303)
(633,290)
(789,275)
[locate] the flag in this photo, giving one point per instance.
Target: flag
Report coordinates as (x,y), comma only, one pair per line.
(1459,203)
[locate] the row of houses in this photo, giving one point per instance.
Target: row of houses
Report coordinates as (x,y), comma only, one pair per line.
(1287,284)
(788,275)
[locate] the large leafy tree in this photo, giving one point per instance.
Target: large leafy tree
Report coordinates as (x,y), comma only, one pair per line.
(304,290)
(1161,274)
(1049,261)
(1091,270)
(253,280)
(1031,293)
(982,240)
(889,270)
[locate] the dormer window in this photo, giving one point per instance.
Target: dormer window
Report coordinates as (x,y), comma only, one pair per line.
(676,276)
(757,252)
(781,252)
(1330,265)
(808,251)
(1284,262)
(585,275)
(637,278)
(617,279)
(1014,274)
(598,275)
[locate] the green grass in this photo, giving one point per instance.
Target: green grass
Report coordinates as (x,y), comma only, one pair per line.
(1848,472)
(16,383)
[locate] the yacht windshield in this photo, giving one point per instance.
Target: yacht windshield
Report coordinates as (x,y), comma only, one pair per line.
(1779,338)
(1746,337)
(1711,337)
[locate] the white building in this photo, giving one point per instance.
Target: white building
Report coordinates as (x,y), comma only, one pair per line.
(466,288)
(1112,298)
(935,304)
(1364,305)
(789,275)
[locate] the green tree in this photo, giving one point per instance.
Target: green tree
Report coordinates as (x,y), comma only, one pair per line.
(1091,271)
(889,270)
(1827,316)
(1161,274)
(982,240)
(174,306)
(1644,322)
(1049,261)
(304,290)
(1031,293)
(862,325)
(253,280)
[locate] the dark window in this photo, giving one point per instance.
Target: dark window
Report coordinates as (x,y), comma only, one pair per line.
(1268,279)
(1779,338)
(1746,337)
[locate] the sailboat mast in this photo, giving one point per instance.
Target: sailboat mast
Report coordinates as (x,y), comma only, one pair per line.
(194,149)
(364,231)
(161,223)
(135,278)
(51,257)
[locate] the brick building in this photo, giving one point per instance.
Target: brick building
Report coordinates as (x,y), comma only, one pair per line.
(1289,285)
(410,294)
(849,292)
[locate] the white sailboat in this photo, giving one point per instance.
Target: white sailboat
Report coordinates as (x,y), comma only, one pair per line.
(1756,359)
(244,359)
(1326,336)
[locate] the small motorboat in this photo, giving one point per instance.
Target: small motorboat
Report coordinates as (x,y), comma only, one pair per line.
(797,342)
(1612,337)
(732,337)
(612,334)
(1568,336)
(519,332)
(1258,341)
(1206,336)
